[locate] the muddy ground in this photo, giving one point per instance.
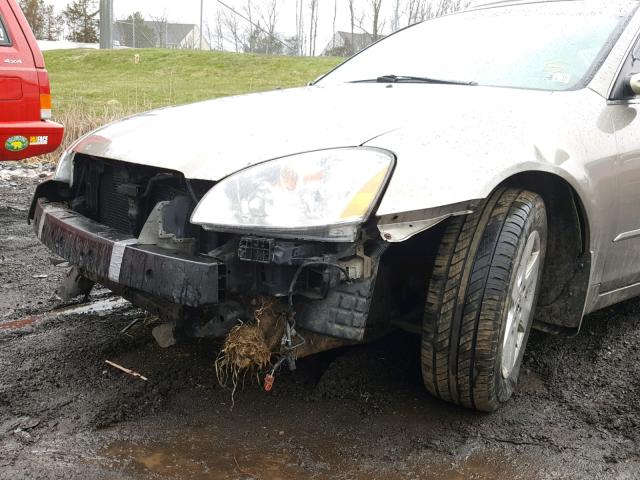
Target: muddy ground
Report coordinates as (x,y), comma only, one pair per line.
(358,413)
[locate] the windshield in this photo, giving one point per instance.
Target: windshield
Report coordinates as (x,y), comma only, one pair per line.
(545,46)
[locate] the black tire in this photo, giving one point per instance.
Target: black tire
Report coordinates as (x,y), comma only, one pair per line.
(468,301)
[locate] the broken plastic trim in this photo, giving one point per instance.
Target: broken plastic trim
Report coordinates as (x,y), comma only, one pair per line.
(400,227)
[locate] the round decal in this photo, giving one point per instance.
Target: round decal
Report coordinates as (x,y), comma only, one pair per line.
(16,144)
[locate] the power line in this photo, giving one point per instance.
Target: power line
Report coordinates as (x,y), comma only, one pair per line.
(257,26)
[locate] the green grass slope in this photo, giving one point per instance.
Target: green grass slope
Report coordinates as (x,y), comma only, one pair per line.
(93,80)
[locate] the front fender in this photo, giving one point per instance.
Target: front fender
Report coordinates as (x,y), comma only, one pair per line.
(444,162)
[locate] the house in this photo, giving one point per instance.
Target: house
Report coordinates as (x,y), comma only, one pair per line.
(159,34)
(344,44)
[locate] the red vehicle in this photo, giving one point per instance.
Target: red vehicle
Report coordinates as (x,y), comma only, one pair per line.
(25,96)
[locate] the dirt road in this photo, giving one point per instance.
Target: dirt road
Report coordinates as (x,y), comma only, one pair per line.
(358,413)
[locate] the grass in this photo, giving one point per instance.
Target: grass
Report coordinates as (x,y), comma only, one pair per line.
(93,87)
(94,78)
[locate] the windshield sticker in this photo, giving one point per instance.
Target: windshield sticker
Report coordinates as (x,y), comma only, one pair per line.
(16,144)
(554,67)
(561,77)
(40,140)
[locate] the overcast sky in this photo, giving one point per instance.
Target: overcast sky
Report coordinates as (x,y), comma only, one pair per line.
(188,11)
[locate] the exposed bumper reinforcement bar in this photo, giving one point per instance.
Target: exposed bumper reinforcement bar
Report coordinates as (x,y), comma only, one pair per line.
(107,254)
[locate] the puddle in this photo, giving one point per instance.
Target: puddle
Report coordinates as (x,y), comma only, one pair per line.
(16,324)
(488,466)
(204,461)
(99,307)
(202,456)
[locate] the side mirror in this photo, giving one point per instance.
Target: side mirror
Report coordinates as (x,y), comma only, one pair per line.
(634,83)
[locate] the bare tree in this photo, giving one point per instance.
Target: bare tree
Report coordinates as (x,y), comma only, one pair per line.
(299,28)
(250,34)
(396,16)
(335,17)
(208,34)
(376,25)
(420,10)
(352,18)
(253,29)
(270,20)
(313,27)
(160,26)
(219,30)
(415,11)
(356,19)
(232,25)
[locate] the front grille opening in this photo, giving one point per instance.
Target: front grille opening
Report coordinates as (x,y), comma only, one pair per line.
(113,208)
(121,195)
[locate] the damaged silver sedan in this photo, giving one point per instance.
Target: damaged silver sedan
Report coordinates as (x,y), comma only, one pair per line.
(466,179)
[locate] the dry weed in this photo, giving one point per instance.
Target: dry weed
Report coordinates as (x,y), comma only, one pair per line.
(250,346)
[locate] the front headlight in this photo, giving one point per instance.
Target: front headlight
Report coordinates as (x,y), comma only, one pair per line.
(64,170)
(323,195)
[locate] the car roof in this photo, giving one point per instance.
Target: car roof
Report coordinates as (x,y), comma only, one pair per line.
(506,3)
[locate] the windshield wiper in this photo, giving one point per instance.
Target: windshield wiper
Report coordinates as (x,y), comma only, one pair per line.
(411,79)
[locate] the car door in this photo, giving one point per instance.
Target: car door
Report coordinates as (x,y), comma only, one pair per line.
(622,265)
(19,86)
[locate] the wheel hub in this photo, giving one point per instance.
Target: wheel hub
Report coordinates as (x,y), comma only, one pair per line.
(521,300)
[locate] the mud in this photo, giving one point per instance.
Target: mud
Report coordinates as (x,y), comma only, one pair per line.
(355,413)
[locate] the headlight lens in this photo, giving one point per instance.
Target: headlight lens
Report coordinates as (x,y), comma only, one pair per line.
(318,195)
(64,170)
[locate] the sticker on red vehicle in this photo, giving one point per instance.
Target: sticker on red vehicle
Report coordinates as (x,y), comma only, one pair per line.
(39,140)
(17,143)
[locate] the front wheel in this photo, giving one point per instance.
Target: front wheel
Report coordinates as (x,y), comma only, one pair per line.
(481,300)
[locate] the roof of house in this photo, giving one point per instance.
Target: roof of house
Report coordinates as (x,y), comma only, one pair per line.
(175,32)
(353,42)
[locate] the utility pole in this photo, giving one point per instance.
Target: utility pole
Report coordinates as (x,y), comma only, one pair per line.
(106,24)
(201,16)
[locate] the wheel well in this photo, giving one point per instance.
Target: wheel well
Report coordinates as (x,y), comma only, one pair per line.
(408,266)
(565,278)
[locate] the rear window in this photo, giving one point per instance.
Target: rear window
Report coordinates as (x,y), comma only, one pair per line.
(4,37)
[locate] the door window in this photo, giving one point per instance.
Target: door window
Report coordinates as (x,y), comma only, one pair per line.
(4,36)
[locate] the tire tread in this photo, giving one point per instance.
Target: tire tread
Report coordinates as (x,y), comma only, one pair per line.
(465,299)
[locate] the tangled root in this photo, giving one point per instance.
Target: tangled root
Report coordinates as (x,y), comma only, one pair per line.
(250,346)
(244,347)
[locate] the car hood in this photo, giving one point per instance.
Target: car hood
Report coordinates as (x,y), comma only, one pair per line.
(213,139)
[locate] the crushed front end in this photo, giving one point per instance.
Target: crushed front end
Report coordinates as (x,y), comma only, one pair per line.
(135,229)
